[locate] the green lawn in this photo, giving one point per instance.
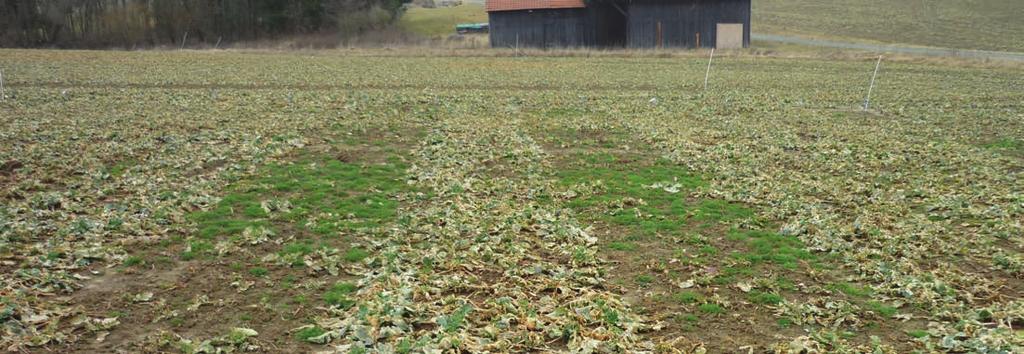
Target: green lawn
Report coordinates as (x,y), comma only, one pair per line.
(967,24)
(441,21)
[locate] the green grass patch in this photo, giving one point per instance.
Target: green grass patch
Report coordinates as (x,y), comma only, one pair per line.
(454,321)
(356,254)
(440,21)
(917,333)
(622,246)
(119,169)
(132,261)
(296,248)
(736,271)
(1007,145)
(657,192)
(719,210)
(337,295)
(644,279)
(610,316)
(687,321)
(309,332)
(771,248)
(339,196)
(851,289)
(259,271)
(688,297)
(711,309)
(582,256)
(708,250)
(764,298)
(114,224)
(197,248)
(882,309)
(785,284)
(294,253)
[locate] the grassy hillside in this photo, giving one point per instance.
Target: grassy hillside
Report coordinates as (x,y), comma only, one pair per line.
(440,22)
(967,24)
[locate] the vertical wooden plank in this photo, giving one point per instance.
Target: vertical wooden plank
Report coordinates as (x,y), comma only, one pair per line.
(659,39)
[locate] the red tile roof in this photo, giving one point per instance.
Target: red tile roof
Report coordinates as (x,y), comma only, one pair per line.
(509,5)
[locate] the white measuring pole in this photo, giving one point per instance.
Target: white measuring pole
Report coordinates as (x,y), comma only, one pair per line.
(3,95)
(217,46)
(867,100)
(708,73)
(183,40)
(517,44)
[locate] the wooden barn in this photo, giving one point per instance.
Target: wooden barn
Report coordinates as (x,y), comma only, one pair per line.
(619,23)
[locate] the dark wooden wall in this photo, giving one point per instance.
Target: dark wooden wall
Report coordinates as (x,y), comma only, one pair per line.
(610,24)
(598,25)
(547,28)
(603,25)
(681,20)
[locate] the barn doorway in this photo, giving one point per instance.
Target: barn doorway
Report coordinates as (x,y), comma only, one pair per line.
(610,23)
(729,36)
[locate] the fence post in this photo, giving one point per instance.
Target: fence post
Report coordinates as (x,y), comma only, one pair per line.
(217,46)
(708,73)
(867,100)
(660,38)
(183,39)
(3,94)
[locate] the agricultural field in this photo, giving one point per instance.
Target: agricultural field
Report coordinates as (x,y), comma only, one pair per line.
(372,201)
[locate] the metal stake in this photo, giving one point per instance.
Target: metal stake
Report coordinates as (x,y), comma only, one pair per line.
(708,74)
(867,100)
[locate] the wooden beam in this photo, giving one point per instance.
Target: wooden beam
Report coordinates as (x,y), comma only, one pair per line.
(618,8)
(660,38)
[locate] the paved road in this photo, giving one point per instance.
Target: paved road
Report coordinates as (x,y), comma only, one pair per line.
(943,52)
